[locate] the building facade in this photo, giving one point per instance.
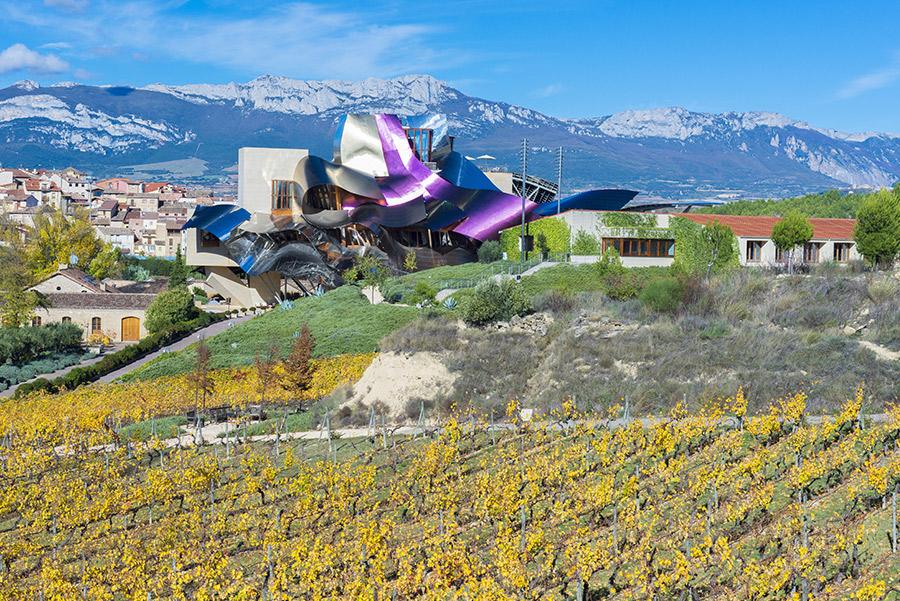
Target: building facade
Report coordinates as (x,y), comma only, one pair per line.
(655,245)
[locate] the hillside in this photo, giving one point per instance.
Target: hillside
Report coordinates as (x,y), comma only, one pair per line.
(341,320)
(710,505)
(194,131)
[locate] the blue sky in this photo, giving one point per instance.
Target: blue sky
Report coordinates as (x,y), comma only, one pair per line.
(832,63)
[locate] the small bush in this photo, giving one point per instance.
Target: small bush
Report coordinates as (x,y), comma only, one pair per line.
(662,295)
(423,294)
(495,301)
(490,251)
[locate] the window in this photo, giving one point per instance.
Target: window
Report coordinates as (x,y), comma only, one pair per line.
(207,240)
(95,324)
(67,320)
(640,247)
(811,252)
(842,251)
(754,250)
(35,321)
(282,194)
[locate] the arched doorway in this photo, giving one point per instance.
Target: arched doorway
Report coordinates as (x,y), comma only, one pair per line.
(131,329)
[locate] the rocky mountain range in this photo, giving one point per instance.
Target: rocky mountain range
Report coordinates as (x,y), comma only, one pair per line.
(194,131)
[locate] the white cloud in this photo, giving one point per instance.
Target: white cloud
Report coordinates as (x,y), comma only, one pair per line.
(874,80)
(297,39)
(20,57)
(56,46)
(549,90)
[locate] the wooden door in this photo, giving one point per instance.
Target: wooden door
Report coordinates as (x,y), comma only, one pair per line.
(131,329)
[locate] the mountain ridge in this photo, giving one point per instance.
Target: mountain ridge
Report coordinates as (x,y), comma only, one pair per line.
(668,151)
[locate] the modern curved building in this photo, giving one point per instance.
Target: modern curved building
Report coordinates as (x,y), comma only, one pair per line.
(394,185)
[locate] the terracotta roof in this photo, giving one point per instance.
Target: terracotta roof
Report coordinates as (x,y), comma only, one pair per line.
(108,205)
(154,186)
(102,300)
(747,226)
(77,276)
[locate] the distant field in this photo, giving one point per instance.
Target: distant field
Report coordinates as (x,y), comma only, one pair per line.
(342,321)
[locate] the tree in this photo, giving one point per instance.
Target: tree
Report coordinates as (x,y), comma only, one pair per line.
(105,263)
(170,307)
(55,238)
(877,232)
(409,261)
(542,245)
(717,246)
(17,303)
(789,233)
(179,274)
(703,249)
(490,251)
(203,384)
(298,368)
(265,371)
(369,271)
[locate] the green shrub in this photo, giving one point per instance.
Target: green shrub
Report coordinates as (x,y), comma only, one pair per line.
(621,285)
(490,251)
(170,307)
(662,295)
(495,301)
(424,294)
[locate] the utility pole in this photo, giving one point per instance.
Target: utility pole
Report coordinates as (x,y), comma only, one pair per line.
(523,191)
(559,167)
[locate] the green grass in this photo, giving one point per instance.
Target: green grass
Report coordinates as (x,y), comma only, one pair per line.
(581,278)
(563,278)
(446,276)
(164,427)
(342,322)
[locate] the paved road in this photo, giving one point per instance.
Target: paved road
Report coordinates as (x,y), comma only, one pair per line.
(211,330)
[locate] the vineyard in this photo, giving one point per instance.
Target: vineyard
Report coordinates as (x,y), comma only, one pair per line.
(712,505)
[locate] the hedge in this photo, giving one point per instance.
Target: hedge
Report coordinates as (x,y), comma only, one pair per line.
(119,359)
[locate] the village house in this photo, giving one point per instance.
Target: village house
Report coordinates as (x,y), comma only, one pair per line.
(75,297)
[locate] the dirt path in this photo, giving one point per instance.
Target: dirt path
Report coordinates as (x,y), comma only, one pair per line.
(881,352)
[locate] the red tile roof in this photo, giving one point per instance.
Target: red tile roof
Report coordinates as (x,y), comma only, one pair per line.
(747,226)
(154,186)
